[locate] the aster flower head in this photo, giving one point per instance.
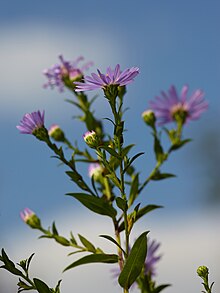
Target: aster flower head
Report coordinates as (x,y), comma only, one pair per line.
(178,108)
(30,218)
(113,77)
(63,74)
(33,123)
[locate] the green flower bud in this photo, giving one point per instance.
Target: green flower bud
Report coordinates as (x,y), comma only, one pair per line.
(91,138)
(149,117)
(30,218)
(56,133)
(203,272)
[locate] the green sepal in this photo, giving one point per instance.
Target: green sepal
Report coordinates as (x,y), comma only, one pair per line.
(113,241)
(134,263)
(41,286)
(94,258)
(121,203)
(87,244)
(96,204)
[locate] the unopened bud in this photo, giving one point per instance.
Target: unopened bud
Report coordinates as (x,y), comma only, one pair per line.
(91,138)
(56,133)
(149,117)
(203,272)
(30,218)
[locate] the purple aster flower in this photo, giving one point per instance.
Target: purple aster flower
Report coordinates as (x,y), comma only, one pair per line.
(171,107)
(63,74)
(112,77)
(31,122)
(152,259)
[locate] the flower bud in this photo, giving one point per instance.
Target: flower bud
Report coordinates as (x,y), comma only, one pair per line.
(56,133)
(203,272)
(149,117)
(30,218)
(91,138)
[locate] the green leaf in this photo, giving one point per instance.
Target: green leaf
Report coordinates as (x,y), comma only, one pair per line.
(111,151)
(87,244)
(113,241)
(161,176)
(54,229)
(132,160)
(141,213)
(121,203)
(134,263)
(158,149)
(160,288)
(179,144)
(41,286)
(134,189)
(9,265)
(94,258)
(96,204)
(126,150)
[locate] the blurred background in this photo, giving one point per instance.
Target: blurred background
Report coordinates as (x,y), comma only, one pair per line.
(173,42)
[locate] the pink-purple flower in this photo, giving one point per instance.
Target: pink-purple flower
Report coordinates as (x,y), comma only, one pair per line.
(152,257)
(112,77)
(66,71)
(173,107)
(26,214)
(31,122)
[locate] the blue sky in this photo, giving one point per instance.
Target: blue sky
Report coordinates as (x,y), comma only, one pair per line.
(172,43)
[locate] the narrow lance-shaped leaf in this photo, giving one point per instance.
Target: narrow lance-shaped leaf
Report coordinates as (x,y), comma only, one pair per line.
(134,263)
(96,204)
(94,258)
(87,244)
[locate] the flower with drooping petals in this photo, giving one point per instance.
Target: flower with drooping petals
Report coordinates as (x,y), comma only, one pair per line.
(171,107)
(30,218)
(61,75)
(30,122)
(112,77)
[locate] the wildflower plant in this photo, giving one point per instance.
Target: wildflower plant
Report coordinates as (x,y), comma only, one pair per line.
(114,183)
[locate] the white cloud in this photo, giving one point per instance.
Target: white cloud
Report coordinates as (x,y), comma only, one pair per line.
(186,244)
